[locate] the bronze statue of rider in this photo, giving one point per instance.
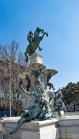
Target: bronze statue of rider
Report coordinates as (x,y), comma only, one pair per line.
(30,37)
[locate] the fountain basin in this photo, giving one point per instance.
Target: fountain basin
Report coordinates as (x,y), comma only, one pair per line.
(47,129)
(66,127)
(69,127)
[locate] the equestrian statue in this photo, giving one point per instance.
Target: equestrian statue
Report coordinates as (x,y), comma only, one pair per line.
(34,41)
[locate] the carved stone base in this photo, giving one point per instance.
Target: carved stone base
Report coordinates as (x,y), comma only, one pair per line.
(36,58)
(32,130)
(69,127)
(57,115)
(62,128)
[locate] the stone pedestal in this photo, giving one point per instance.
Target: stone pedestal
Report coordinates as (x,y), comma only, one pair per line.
(69,127)
(57,115)
(32,130)
(1,129)
(36,58)
(62,128)
(1,124)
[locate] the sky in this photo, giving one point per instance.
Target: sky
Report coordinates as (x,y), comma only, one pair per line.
(60,18)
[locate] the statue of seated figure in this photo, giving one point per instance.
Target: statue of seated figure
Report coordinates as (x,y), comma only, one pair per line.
(40,110)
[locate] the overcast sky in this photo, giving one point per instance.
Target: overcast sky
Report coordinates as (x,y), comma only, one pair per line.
(60,18)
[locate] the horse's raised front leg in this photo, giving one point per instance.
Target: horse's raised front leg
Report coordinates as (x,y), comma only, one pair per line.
(45,33)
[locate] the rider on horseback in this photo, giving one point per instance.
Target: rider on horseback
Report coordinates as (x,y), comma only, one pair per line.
(30,37)
(34,40)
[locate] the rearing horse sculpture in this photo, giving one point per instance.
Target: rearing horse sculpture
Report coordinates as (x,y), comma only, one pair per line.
(38,36)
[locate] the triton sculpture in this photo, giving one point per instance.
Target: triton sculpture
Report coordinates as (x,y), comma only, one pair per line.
(58,101)
(40,110)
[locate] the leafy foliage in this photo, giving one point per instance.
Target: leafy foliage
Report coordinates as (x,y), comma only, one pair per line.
(71,93)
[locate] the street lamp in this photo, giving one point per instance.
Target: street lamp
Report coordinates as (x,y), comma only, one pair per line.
(10,87)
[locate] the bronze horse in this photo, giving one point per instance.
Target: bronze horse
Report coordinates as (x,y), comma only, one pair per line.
(35,43)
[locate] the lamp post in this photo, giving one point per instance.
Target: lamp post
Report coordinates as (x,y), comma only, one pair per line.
(10,87)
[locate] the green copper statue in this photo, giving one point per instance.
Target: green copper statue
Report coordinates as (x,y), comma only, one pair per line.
(34,41)
(40,110)
(58,102)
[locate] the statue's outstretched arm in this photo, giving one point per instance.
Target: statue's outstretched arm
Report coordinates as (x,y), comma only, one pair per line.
(28,93)
(23,90)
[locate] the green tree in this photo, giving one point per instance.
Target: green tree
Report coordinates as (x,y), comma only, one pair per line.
(71,93)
